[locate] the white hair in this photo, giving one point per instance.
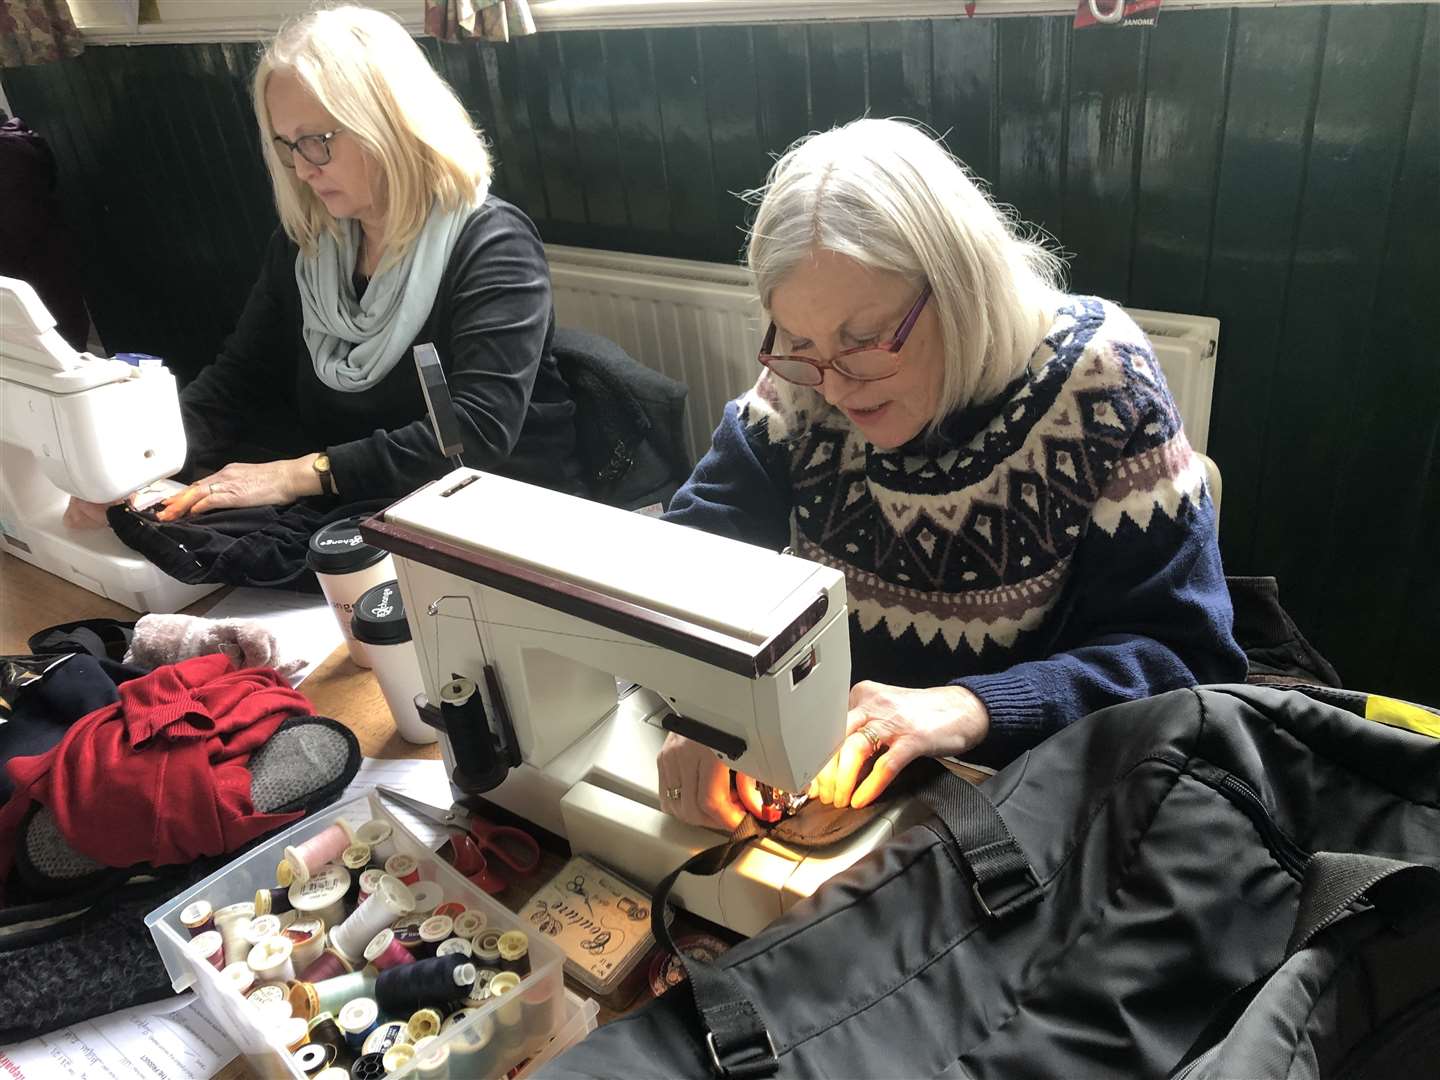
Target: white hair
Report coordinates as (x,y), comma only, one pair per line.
(891,197)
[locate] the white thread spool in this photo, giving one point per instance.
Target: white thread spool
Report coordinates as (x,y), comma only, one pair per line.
(259,928)
(428,896)
(380,835)
(271,960)
(231,921)
(390,900)
(323,895)
(469,923)
(239,974)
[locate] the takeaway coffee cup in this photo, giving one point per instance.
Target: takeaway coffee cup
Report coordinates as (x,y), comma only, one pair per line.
(379,624)
(346,566)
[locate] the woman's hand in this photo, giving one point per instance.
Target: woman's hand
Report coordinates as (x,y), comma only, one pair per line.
(270,483)
(905,724)
(695,786)
(86,515)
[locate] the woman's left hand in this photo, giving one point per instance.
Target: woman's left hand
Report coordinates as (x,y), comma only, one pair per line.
(270,483)
(905,724)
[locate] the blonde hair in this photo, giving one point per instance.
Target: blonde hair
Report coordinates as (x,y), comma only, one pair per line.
(891,197)
(367,71)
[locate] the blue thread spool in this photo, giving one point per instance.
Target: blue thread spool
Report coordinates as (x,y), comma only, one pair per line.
(402,990)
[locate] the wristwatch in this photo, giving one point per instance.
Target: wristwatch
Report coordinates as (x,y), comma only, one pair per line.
(321,465)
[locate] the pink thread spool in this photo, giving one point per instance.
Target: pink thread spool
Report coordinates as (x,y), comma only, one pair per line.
(385,952)
(390,900)
(325,846)
(328,966)
(209,946)
(198,917)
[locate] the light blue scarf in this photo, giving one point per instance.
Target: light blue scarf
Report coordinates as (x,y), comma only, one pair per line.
(355,343)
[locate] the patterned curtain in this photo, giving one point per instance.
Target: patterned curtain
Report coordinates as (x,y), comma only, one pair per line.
(37,31)
(488,20)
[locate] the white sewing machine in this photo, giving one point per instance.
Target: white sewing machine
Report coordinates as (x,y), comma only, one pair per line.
(75,424)
(744,649)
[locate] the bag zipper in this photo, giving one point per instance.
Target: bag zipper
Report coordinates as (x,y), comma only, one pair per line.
(1290,854)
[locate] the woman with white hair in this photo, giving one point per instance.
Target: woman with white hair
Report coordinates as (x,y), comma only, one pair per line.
(388,238)
(997,468)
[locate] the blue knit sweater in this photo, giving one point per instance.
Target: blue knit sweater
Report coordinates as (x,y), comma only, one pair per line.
(1053,550)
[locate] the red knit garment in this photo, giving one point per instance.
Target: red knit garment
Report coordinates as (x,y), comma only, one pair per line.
(161,776)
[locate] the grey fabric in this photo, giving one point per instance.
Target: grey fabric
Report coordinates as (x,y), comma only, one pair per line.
(49,852)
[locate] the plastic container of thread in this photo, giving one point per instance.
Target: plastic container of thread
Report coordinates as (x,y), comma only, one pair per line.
(469,1043)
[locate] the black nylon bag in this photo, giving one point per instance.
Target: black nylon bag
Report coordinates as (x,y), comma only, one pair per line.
(1169,837)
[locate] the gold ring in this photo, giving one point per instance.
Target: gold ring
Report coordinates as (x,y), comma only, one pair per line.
(874,740)
(673,794)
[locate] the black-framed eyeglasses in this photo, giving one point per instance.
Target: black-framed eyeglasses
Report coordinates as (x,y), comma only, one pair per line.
(313,148)
(868,363)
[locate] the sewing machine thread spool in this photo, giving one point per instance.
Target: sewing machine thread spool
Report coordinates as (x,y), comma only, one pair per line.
(356,857)
(294,1032)
(270,959)
(334,1072)
(487,949)
(470,1051)
(325,1031)
(404,867)
(469,923)
(302,1000)
(274,901)
(322,896)
(390,900)
(480,992)
(514,949)
(238,975)
(260,993)
(433,1063)
(380,836)
(454,945)
(231,921)
(261,927)
(433,931)
(462,711)
(308,936)
(334,993)
(198,917)
(385,952)
(428,898)
(402,990)
(537,1011)
(272,1012)
(329,965)
(509,1017)
(312,1057)
(423,1022)
(325,846)
(451,908)
(399,1057)
(209,946)
(284,876)
(390,1033)
(357,1019)
(369,882)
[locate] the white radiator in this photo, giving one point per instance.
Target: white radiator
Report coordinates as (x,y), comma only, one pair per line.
(700,323)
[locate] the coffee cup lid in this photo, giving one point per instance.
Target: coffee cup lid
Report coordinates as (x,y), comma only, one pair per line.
(339,548)
(379,617)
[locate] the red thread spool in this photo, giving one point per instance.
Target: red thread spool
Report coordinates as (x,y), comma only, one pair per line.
(403,867)
(385,952)
(324,847)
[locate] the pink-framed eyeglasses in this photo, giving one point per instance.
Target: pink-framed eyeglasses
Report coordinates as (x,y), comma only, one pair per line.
(868,363)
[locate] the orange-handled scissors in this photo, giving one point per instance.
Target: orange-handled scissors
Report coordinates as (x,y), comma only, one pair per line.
(475,841)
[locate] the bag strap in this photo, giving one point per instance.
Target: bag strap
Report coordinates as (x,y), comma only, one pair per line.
(1001,880)
(1334,883)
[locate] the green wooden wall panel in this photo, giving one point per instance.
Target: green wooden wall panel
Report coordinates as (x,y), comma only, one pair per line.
(1185,97)
(1279,169)
(1361,118)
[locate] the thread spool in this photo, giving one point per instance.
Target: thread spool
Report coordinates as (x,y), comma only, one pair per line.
(357,1019)
(451,908)
(368,1067)
(428,897)
(433,931)
(471,1053)
(462,711)
(329,965)
(509,1017)
(454,945)
(260,993)
(322,895)
(261,927)
(284,876)
(537,1013)
(369,882)
(334,993)
(514,947)
(480,991)
(231,921)
(423,1023)
(459,1016)
(402,990)
(274,901)
(404,867)
(312,1057)
(303,1000)
(305,860)
(209,947)
(198,917)
(407,932)
(270,959)
(356,857)
(487,949)
(292,1032)
(272,1013)
(433,1063)
(326,1032)
(239,976)
(334,1072)
(308,937)
(380,836)
(389,1034)
(398,1057)
(469,923)
(385,952)
(390,900)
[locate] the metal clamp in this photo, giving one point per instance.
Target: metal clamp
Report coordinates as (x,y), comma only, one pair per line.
(755,1066)
(1021,900)
(1114,15)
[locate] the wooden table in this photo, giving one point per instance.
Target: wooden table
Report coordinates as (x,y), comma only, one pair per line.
(31,600)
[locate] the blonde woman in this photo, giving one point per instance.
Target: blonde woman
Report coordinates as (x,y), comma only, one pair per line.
(388,238)
(997,467)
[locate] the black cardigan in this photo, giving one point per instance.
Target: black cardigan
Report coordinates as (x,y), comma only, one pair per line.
(492,324)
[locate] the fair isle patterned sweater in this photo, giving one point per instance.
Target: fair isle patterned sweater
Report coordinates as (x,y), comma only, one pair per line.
(1053,550)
